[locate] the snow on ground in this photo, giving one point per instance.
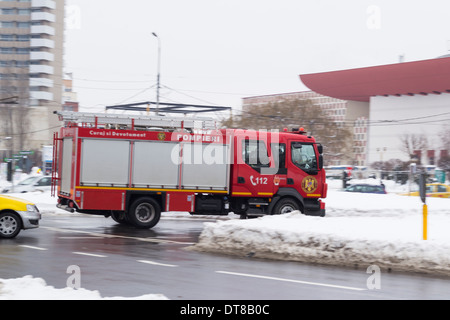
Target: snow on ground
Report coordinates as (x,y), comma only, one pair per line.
(359,229)
(29,288)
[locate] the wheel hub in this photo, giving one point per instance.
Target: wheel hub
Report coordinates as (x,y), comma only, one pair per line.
(7,225)
(144,213)
(287,209)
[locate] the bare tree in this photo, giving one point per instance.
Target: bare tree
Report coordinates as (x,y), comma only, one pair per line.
(445,137)
(412,142)
(444,161)
(390,165)
(336,139)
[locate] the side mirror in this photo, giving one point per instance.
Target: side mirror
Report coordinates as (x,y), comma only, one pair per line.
(320,161)
(320,148)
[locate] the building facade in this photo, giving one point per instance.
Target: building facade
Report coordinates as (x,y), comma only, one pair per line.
(31,72)
(70,97)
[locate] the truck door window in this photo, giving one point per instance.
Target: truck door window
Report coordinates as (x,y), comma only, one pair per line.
(255,154)
(304,157)
(279,156)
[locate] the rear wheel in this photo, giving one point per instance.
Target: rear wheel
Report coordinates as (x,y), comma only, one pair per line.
(119,217)
(144,213)
(10,225)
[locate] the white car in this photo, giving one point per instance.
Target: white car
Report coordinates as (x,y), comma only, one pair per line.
(39,183)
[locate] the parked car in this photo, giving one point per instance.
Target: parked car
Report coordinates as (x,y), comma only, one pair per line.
(366,188)
(438,190)
(38,183)
(16,215)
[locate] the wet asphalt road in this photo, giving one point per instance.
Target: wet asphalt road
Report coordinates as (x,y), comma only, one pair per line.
(122,261)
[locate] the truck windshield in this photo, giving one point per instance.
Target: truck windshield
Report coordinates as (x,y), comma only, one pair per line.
(304,157)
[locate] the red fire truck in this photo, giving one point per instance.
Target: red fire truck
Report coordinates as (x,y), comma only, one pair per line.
(134,167)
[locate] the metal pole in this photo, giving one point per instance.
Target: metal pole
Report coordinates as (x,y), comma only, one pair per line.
(158,78)
(425,221)
(423,197)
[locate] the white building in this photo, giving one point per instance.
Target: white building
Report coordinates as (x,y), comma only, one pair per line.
(404,99)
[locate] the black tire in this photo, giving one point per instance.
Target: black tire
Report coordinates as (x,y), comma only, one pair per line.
(119,217)
(286,205)
(144,213)
(10,225)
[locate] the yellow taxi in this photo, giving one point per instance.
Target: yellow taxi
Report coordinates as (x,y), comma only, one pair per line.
(438,190)
(16,215)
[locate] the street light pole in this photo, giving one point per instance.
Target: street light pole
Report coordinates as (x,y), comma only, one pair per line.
(159,73)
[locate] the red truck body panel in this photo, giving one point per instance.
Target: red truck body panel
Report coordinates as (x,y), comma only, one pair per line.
(102,170)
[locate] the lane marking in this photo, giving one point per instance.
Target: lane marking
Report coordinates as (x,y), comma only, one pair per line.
(102,235)
(34,248)
(291,280)
(89,254)
(80,237)
(157,263)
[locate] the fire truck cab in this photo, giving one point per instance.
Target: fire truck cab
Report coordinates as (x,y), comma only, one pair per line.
(132,168)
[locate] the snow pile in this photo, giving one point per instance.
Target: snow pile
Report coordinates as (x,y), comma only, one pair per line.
(29,288)
(340,204)
(359,229)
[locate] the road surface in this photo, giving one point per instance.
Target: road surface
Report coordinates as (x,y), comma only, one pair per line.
(122,261)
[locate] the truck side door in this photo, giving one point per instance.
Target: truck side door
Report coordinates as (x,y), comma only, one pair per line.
(254,168)
(303,168)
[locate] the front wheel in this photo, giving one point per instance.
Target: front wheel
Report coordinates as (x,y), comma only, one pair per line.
(286,205)
(144,213)
(10,225)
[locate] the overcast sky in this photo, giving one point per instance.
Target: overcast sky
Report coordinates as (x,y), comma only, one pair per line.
(218,51)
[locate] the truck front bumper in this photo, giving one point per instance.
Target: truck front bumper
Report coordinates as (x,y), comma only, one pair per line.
(315,208)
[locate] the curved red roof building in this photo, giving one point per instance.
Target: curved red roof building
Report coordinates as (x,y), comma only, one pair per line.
(406,99)
(408,78)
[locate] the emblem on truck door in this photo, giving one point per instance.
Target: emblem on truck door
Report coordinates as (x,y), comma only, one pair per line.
(161,136)
(276,180)
(309,184)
